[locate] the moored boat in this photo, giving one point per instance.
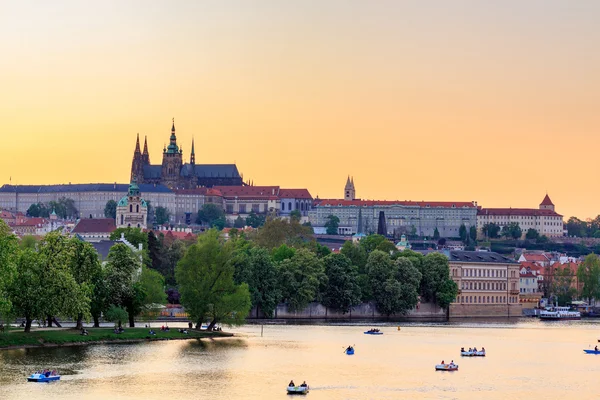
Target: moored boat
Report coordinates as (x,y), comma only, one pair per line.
(559,314)
(297,389)
(43,377)
(446,367)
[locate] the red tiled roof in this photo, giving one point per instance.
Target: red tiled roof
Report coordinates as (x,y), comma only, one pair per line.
(31,222)
(535,257)
(97,225)
(527,275)
(179,235)
(294,194)
(6,215)
(518,211)
(201,191)
(248,191)
(366,203)
(546,201)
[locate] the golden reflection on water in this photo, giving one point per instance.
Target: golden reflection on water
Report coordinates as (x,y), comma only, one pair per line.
(528,360)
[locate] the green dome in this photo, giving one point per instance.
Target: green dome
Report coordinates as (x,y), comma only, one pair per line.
(123,202)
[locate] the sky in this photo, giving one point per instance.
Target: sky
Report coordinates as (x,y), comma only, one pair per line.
(495,102)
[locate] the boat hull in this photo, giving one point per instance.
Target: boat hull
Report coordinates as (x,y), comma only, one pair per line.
(297,390)
(546,318)
(350,352)
(446,367)
(42,378)
(472,354)
(373,333)
(592,351)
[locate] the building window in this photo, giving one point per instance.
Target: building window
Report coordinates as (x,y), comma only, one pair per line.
(242,208)
(256,208)
(131,208)
(229,208)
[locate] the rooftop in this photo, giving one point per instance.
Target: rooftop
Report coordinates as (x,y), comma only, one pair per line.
(97,225)
(408,203)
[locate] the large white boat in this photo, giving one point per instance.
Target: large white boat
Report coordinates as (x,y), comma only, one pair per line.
(559,313)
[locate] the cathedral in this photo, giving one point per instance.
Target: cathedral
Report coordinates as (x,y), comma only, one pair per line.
(176,174)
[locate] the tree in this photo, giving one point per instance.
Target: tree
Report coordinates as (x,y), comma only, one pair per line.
(123,270)
(356,254)
(135,236)
(512,230)
(589,274)
(332,225)
(473,233)
(254,220)
(8,268)
(278,231)
(64,208)
(387,246)
(205,278)
(436,284)
(562,286)
(283,252)
(394,283)
(239,222)
(300,278)
(491,230)
(371,242)
(296,214)
(262,282)
(116,314)
(26,291)
(38,210)
(110,209)
(28,242)
(532,234)
(162,215)
(211,215)
(342,291)
(462,232)
(577,227)
(436,234)
(154,295)
(85,268)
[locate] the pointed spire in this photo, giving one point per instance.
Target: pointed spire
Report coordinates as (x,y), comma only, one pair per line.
(145,145)
(193,154)
(173,127)
(137,144)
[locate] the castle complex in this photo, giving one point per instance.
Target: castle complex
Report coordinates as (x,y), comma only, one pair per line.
(175,174)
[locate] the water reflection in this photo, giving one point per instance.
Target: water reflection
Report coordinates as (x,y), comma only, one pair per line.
(521,363)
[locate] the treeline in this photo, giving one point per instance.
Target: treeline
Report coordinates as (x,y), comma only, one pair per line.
(60,276)
(587,228)
(64,208)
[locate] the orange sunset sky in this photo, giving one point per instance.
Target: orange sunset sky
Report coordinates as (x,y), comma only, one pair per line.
(497,102)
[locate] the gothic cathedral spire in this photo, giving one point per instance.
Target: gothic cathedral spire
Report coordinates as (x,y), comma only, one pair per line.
(146,155)
(137,145)
(193,154)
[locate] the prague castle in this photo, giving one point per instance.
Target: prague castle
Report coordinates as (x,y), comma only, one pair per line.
(174,173)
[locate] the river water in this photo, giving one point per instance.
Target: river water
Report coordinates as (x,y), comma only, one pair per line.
(530,359)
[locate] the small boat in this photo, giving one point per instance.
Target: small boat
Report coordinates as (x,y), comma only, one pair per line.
(40,377)
(472,353)
(350,351)
(446,367)
(297,389)
(592,351)
(373,333)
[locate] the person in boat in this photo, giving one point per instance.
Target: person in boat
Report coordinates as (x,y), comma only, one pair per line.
(304,384)
(292,384)
(475,349)
(462,349)
(349,348)
(596,348)
(470,350)
(443,363)
(483,349)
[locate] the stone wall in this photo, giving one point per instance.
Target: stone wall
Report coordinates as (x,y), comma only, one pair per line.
(425,312)
(485,310)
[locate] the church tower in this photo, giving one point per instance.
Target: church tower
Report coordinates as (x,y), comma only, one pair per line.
(137,165)
(145,154)
(349,191)
(547,204)
(172,162)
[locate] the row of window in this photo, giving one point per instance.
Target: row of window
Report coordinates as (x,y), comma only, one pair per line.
(487,299)
(486,273)
(484,285)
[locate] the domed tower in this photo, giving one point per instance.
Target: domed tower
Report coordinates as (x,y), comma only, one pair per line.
(132,210)
(172,162)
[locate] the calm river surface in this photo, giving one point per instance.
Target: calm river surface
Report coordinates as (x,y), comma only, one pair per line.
(526,360)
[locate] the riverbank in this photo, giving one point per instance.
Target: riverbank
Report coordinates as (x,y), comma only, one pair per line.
(17,339)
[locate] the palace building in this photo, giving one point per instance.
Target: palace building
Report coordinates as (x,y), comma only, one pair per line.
(175,174)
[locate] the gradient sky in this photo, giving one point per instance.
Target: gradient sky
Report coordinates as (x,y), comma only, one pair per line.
(426,100)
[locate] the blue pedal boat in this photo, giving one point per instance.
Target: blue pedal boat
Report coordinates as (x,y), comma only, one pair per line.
(43,377)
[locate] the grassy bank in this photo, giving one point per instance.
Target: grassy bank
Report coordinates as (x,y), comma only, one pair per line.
(53,337)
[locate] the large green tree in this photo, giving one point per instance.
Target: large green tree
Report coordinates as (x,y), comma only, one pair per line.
(26,291)
(255,220)
(8,251)
(342,291)
(532,234)
(262,281)
(135,236)
(436,284)
(332,225)
(110,209)
(211,215)
(205,278)
(122,274)
(462,232)
(491,230)
(161,215)
(356,254)
(512,230)
(589,274)
(85,268)
(278,231)
(300,279)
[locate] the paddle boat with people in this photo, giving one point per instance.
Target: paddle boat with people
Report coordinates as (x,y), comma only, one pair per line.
(44,376)
(293,389)
(446,367)
(595,351)
(472,352)
(373,332)
(349,350)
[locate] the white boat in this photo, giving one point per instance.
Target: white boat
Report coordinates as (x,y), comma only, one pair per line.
(446,367)
(297,389)
(559,314)
(472,353)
